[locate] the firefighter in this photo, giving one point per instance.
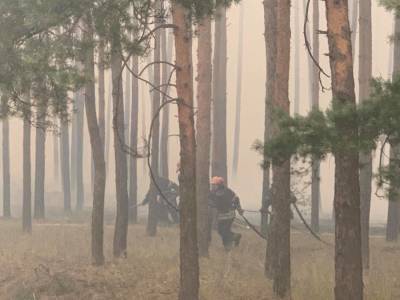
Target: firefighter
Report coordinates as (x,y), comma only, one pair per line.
(225,202)
(170,190)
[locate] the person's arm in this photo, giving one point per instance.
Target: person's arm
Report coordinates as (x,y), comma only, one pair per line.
(174,186)
(236,204)
(211,200)
(147,198)
(173,189)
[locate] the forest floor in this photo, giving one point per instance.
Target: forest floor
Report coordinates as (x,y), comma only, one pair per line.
(54,263)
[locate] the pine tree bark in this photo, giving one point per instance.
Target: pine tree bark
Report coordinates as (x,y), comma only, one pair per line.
(108,126)
(97,153)
(127,111)
(365,77)
(189,261)
(236,143)
(219,150)
(297,28)
(80,111)
(152,220)
(6,159)
(133,178)
(128,99)
(315,176)
(166,51)
(354,24)
(270,44)
(101,90)
(65,171)
(121,223)
(74,139)
(204,79)
(144,124)
(279,234)
(393,220)
(348,264)
(56,158)
(40,161)
(26,180)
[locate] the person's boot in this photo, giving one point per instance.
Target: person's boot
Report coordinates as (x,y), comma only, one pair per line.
(238,236)
(229,246)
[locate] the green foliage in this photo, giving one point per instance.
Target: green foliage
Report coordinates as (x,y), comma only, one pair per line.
(201,8)
(321,133)
(315,135)
(391,5)
(41,46)
(37,39)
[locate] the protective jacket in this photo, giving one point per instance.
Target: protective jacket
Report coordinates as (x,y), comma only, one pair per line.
(169,189)
(225,201)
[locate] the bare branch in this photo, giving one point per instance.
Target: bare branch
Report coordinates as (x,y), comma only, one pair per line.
(308,47)
(155,63)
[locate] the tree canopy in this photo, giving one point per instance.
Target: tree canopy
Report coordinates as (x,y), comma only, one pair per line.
(43,45)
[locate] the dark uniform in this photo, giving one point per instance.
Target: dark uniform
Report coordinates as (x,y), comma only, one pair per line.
(225,201)
(164,210)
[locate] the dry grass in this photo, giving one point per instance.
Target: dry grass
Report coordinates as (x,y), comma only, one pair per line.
(54,263)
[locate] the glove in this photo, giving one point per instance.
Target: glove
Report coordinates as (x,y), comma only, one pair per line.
(240,211)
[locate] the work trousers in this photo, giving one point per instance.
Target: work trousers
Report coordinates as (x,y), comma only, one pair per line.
(225,231)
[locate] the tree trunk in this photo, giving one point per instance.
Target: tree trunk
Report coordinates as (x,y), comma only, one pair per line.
(74,139)
(101,90)
(144,127)
(236,143)
(6,159)
(279,235)
(150,74)
(127,111)
(204,78)
(297,27)
(365,77)
(315,177)
(133,178)
(26,181)
(108,125)
(348,265)
(155,141)
(166,49)
(121,224)
(56,158)
(128,99)
(189,260)
(80,107)
(65,165)
(97,153)
(393,220)
(219,150)
(270,44)
(40,161)
(353,26)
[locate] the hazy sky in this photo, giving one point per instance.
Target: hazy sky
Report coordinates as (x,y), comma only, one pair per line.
(248,183)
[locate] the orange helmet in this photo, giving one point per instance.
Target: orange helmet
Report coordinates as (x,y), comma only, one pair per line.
(217,180)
